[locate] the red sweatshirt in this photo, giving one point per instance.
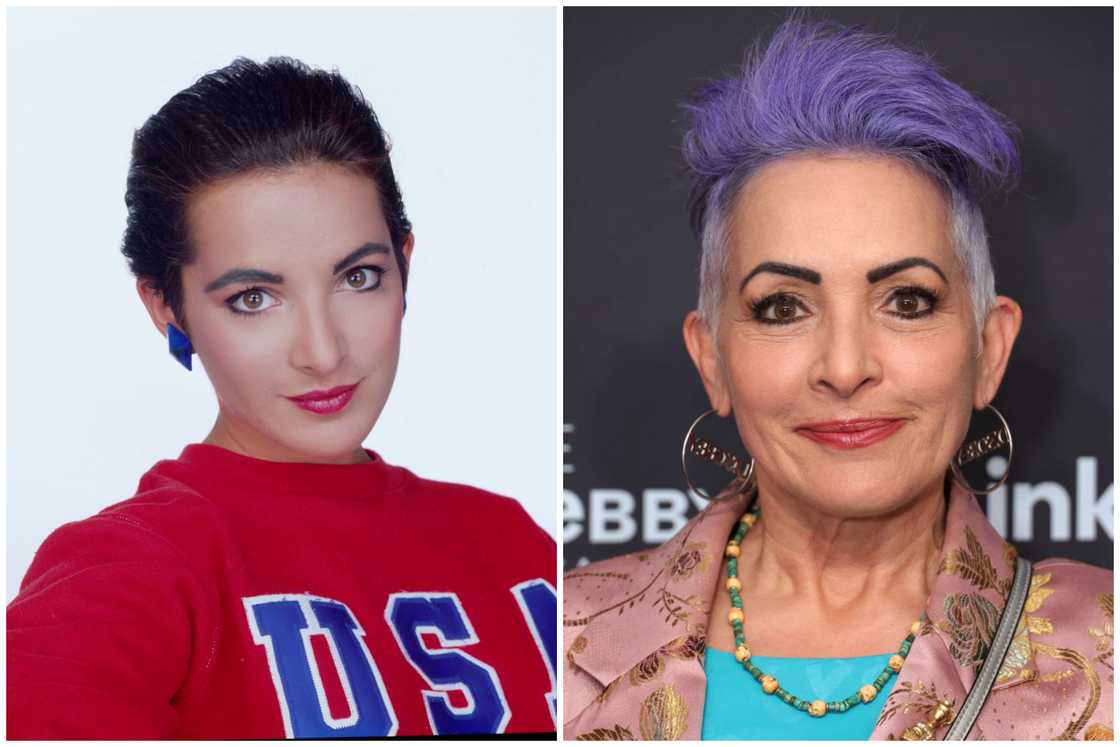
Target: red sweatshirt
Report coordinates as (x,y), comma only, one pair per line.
(234,597)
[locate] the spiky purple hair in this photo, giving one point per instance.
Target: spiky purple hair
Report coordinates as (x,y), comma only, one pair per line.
(824,87)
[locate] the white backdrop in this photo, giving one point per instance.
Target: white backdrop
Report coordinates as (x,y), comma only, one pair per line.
(467,96)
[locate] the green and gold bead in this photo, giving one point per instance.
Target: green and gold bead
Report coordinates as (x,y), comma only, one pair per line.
(769,684)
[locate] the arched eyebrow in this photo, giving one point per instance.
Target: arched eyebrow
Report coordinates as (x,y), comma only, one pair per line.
(874,276)
(814,277)
(253,275)
(361,251)
(780,268)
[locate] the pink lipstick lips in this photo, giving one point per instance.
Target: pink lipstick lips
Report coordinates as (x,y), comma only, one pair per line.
(851,434)
(325,402)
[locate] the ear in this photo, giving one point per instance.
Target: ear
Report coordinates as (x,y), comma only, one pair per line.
(999,333)
(406,250)
(153,301)
(705,356)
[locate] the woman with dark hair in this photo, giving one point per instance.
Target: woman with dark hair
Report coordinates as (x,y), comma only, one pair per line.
(846,584)
(277,579)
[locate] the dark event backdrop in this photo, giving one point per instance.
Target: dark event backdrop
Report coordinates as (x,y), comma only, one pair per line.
(630,260)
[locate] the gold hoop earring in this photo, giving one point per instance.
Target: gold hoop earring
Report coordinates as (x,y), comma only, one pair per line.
(719,456)
(983,446)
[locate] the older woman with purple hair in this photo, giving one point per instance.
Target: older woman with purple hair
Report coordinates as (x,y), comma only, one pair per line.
(846,584)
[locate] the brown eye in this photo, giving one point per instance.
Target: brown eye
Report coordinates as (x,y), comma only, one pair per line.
(785,309)
(779,308)
(252,301)
(364,278)
(911,303)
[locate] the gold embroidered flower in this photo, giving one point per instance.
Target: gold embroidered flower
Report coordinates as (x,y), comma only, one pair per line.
(578,646)
(685,647)
(647,669)
(1104,634)
(609,691)
(1035,598)
(617,734)
(692,558)
(970,563)
(1019,653)
(664,715)
(970,622)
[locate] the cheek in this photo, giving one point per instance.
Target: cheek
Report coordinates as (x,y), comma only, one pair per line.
(239,359)
(372,338)
(766,376)
(932,369)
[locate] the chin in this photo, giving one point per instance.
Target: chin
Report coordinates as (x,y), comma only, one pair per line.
(333,436)
(331,441)
(861,493)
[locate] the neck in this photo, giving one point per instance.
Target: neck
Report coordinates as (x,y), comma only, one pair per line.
(228,435)
(838,563)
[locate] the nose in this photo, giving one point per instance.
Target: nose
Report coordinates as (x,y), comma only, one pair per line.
(848,359)
(319,344)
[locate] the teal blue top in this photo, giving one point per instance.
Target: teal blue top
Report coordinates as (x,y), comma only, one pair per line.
(735,707)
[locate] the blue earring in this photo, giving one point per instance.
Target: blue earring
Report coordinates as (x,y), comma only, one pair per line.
(179,345)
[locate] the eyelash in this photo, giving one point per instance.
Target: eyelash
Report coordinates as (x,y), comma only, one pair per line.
(931,297)
(379,272)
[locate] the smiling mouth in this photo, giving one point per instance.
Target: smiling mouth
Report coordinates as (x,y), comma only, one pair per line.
(325,402)
(323,394)
(851,434)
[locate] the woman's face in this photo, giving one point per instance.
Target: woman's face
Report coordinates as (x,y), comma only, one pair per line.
(843,301)
(294,289)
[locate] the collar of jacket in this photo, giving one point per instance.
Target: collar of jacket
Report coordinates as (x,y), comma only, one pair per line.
(682,576)
(673,585)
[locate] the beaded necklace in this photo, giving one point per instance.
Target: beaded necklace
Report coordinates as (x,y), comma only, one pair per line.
(770,686)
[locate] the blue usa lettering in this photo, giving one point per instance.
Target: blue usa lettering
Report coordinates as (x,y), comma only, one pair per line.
(284,624)
(448,668)
(537,600)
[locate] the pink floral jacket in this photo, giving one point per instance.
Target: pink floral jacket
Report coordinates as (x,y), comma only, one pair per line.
(634,629)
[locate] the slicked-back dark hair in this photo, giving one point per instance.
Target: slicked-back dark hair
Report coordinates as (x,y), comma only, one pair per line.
(246,117)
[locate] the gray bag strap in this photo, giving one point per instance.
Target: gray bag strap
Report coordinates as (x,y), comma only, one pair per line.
(1005,631)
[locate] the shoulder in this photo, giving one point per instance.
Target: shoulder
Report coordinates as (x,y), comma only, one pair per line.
(113,614)
(168,509)
(605,584)
(483,518)
(458,493)
(161,526)
(1073,578)
(162,498)
(1079,594)
(467,499)
(619,567)
(690,557)
(1065,648)
(1075,572)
